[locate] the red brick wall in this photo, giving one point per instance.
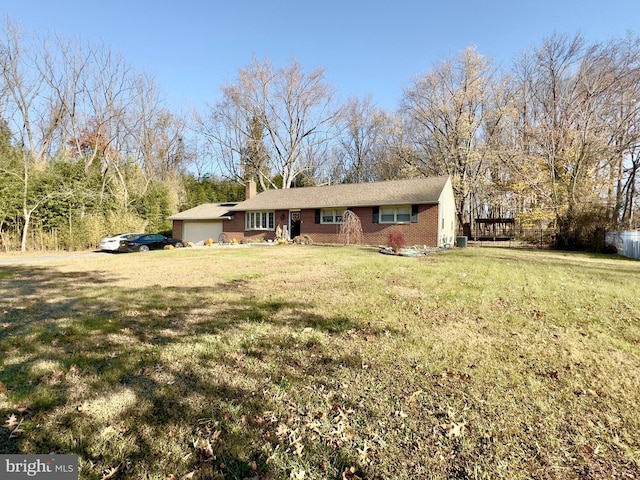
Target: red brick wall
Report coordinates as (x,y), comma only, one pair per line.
(424,232)
(176,231)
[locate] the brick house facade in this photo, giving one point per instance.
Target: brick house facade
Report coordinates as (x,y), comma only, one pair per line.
(423,210)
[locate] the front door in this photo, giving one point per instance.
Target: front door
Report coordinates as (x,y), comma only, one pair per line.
(294,220)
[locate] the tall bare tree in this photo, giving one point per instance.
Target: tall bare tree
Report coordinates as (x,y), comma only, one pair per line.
(446,110)
(36,109)
(360,139)
(578,109)
(272,119)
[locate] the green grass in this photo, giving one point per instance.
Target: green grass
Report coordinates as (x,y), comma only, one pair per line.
(325,363)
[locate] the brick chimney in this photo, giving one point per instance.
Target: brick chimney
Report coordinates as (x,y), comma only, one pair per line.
(250,189)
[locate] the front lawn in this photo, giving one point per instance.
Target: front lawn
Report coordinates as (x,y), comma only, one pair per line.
(311,362)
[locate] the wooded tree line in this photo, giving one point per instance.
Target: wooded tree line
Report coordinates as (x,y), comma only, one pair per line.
(89,147)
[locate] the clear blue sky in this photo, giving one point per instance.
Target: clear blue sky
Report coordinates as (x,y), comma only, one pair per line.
(367,46)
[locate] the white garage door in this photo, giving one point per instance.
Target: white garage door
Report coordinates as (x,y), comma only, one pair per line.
(199,232)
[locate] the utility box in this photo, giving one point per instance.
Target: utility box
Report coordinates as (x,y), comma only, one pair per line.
(461,242)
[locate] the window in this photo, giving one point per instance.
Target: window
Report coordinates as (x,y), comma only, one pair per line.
(395,214)
(331,215)
(258,221)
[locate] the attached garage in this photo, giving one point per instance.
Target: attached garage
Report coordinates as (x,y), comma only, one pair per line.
(199,224)
(199,231)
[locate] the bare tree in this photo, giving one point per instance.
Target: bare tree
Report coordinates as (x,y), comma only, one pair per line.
(578,111)
(270,121)
(398,156)
(36,108)
(446,110)
(360,139)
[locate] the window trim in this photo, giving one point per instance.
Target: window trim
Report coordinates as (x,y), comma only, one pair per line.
(337,212)
(395,208)
(253,220)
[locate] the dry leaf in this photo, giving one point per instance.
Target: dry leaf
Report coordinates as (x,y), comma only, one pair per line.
(282,430)
(110,473)
(3,388)
(186,476)
(11,422)
(13,425)
(205,449)
(454,430)
(363,452)
(350,474)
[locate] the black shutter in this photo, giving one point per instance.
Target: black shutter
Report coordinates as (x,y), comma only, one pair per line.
(317,215)
(376,214)
(414,213)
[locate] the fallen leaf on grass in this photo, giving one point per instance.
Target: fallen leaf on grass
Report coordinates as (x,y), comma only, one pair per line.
(363,452)
(186,476)
(454,430)
(13,425)
(110,473)
(299,447)
(3,388)
(350,473)
(205,449)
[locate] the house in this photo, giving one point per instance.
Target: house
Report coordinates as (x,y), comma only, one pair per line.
(422,209)
(199,224)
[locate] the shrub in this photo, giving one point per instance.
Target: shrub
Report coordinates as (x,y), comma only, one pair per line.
(396,240)
(583,229)
(350,229)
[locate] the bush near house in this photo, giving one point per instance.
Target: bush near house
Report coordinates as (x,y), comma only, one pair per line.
(396,240)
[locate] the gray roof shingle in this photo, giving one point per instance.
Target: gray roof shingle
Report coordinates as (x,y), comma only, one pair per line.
(206,211)
(392,192)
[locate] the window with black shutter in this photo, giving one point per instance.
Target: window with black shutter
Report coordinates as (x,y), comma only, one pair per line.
(414,213)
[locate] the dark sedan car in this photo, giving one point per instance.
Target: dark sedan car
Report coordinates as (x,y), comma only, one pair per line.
(146,242)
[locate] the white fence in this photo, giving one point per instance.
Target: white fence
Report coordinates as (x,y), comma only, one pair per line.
(627,243)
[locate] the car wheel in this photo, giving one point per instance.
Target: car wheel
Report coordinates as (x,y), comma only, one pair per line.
(144,248)
(179,245)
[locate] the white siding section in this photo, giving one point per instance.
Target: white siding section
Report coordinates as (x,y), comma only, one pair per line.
(447,216)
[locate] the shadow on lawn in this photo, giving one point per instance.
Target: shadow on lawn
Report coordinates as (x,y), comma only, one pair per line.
(153,381)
